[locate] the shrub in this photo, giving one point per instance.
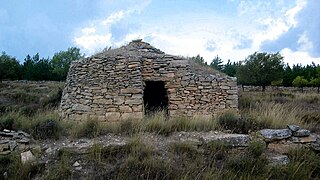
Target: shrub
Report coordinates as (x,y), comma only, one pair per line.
(230,121)
(90,128)
(6,123)
(62,168)
(245,165)
(16,170)
(256,148)
(184,149)
(304,164)
(47,129)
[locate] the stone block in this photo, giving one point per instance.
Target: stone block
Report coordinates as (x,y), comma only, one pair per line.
(138,108)
(133,101)
(133,115)
(224,87)
(80,107)
(112,116)
(293,127)
(308,139)
(125,109)
(275,134)
(301,133)
(102,101)
(235,140)
(131,91)
(118,100)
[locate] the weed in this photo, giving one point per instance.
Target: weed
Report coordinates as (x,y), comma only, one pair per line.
(256,148)
(231,121)
(246,165)
(90,128)
(43,125)
(148,168)
(184,148)
(304,164)
(12,165)
(62,168)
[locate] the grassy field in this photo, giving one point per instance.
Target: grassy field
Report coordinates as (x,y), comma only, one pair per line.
(31,106)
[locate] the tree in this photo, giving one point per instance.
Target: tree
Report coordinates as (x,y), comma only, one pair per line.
(9,67)
(199,60)
(27,68)
(61,62)
(300,82)
(315,82)
(216,63)
(261,69)
(230,68)
(42,70)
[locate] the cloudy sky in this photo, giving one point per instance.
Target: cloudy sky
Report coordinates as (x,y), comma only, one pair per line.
(232,29)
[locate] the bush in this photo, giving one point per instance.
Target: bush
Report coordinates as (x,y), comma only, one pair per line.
(6,123)
(256,148)
(47,129)
(184,149)
(62,168)
(90,128)
(16,170)
(230,121)
(304,164)
(245,165)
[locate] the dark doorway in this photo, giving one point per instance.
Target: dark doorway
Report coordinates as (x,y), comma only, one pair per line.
(155,97)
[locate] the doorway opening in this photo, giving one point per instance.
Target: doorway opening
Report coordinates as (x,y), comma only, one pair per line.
(155,97)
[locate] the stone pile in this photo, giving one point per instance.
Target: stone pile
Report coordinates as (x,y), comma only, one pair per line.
(13,141)
(293,134)
(110,85)
(280,141)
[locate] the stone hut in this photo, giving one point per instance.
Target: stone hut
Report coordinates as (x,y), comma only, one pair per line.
(136,79)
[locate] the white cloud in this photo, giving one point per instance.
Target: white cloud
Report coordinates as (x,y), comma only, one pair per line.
(97,35)
(88,30)
(304,42)
(114,18)
(298,57)
(291,13)
(190,34)
(279,24)
(91,42)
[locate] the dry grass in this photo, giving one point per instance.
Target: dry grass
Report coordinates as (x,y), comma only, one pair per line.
(278,109)
(276,115)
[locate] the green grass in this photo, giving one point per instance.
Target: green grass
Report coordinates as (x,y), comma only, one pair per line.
(12,165)
(43,125)
(62,168)
(33,106)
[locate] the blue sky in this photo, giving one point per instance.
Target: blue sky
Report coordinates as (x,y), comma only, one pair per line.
(232,29)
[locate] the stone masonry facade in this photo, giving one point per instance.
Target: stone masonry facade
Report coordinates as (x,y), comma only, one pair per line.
(110,85)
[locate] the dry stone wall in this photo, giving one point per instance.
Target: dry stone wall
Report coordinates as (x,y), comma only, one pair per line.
(110,85)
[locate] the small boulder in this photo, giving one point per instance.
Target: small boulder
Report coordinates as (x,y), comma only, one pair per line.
(278,160)
(76,164)
(293,127)
(4,147)
(275,134)
(235,140)
(315,147)
(12,145)
(27,156)
(308,139)
(301,133)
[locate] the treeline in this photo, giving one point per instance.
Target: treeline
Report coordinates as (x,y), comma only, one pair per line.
(36,68)
(265,69)
(258,69)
